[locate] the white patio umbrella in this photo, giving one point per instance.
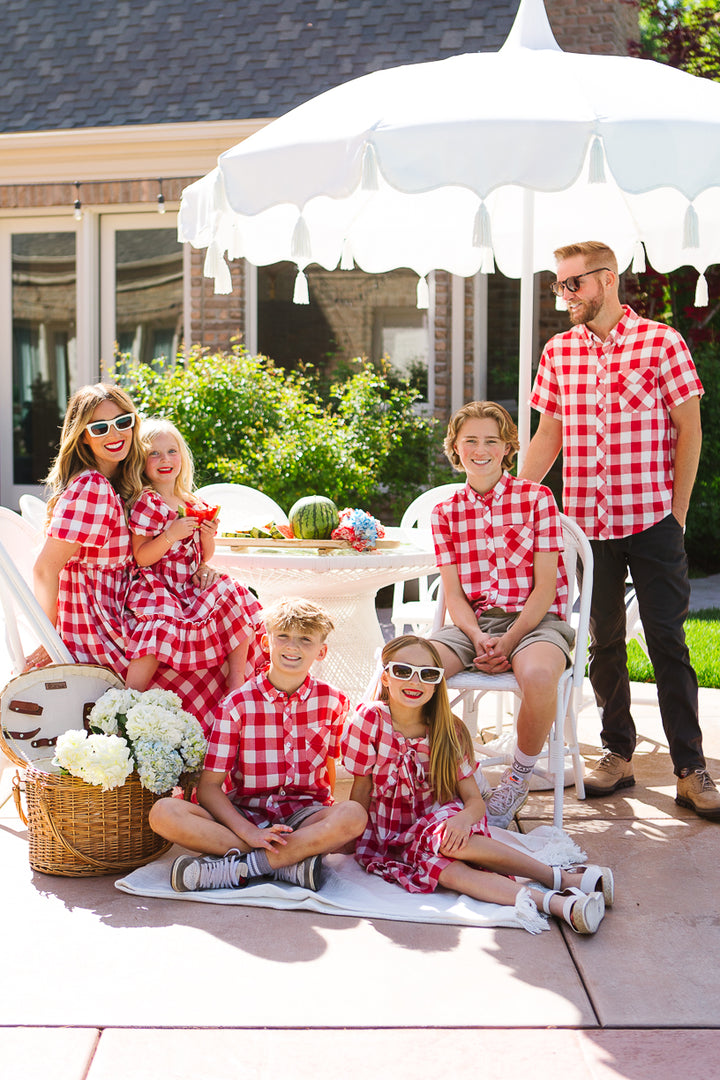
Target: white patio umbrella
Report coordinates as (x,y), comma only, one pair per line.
(477,160)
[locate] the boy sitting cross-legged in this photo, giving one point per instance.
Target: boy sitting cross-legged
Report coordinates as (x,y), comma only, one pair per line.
(265,794)
(498,542)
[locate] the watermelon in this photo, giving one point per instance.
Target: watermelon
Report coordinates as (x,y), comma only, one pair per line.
(314,518)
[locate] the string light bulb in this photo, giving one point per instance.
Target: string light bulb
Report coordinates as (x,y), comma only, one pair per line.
(160,199)
(77,206)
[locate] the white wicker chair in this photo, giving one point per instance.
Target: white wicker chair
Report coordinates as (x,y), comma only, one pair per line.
(471,687)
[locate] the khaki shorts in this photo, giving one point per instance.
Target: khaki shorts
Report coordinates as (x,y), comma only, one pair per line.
(496,622)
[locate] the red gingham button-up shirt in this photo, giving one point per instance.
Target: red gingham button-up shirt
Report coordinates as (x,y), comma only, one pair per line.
(613,398)
(492,539)
(274,746)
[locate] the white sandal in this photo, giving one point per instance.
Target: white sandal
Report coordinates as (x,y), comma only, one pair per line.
(594,879)
(583,912)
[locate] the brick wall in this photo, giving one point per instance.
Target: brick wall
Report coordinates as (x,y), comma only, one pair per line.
(594,26)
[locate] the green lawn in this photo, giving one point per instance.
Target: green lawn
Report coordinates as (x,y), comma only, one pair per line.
(702,631)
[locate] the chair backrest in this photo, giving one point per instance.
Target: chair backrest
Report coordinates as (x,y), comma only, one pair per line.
(578,559)
(242,507)
(34,511)
(21,542)
(20,608)
(418,512)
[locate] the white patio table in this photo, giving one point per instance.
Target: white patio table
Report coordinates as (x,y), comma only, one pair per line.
(345,583)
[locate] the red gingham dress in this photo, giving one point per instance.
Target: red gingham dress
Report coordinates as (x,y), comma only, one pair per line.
(183,625)
(404,833)
(95,581)
(273,746)
(93,587)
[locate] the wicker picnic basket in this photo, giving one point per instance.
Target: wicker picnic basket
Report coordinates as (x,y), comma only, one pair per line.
(74,829)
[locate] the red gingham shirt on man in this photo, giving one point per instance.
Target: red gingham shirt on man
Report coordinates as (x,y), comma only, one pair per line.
(274,746)
(492,539)
(613,398)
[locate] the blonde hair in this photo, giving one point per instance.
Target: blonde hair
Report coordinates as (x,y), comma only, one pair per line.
(75,455)
(591,251)
(297,615)
(482,410)
(449,739)
(149,431)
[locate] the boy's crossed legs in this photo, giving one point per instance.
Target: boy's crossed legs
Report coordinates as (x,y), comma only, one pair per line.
(291,853)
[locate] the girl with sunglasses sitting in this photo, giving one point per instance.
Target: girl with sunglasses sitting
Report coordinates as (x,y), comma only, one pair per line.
(413,771)
(85,570)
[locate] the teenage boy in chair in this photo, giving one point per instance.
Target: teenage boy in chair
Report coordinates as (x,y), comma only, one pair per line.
(265,803)
(498,542)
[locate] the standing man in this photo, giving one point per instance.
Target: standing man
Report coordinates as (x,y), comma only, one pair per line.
(621,397)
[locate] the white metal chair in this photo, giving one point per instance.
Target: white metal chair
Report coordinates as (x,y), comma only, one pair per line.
(34,511)
(242,507)
(419,614)
(471,687)
(23,616)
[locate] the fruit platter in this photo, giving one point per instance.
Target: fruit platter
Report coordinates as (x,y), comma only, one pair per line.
(314,522)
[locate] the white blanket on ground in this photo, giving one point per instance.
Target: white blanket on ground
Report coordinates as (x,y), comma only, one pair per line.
(348,890)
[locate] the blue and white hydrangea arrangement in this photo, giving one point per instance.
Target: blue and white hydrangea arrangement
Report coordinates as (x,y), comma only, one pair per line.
(149,732)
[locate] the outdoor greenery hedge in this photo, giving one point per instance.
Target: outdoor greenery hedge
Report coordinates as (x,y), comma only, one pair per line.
(249,421)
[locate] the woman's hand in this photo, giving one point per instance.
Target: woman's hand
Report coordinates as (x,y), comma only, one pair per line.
(204,576)
(37,659)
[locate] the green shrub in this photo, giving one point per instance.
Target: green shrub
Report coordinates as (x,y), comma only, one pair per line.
(249,421)
(702,535)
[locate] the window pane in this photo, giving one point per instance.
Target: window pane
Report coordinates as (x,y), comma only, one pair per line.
(44,347)
(350,314)
(148,293)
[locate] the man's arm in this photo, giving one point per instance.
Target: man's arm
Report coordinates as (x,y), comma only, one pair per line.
(544,447)
(685,419)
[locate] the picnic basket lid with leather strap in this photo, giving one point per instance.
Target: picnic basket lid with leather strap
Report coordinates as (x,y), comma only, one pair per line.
(74,829)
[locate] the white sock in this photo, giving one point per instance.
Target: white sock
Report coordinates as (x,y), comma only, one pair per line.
(523,765)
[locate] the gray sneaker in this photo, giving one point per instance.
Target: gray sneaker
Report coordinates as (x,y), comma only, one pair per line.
(610,773)
(698,792)
(507,798)
(307,874)
(191,873)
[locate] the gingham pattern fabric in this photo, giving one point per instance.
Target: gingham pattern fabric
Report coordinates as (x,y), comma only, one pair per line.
(404,833)
(179,622)
(274,746)
(94,582)
(492,539)
(93,587)
(613,398)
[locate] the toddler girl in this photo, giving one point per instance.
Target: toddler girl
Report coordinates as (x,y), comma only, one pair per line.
(189,616)
(413,765)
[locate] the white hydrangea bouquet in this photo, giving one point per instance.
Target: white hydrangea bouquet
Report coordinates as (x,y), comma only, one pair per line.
(130,730)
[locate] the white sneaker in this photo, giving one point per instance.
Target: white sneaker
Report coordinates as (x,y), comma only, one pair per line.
(506,800)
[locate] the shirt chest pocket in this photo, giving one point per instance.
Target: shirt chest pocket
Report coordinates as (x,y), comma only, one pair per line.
(316,746)
(636,388)
(518,544)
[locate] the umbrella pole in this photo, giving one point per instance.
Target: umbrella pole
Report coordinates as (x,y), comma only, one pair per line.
(527,303)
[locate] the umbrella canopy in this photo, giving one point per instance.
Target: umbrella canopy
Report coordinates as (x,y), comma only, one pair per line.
(477,160)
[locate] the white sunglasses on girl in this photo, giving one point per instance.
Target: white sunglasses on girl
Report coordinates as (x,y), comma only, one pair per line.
(99,428)
(405,672)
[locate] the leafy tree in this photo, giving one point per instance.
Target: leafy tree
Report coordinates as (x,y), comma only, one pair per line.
(682,33)
(249,421)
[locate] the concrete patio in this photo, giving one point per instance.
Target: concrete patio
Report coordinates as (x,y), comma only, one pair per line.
(101,985)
